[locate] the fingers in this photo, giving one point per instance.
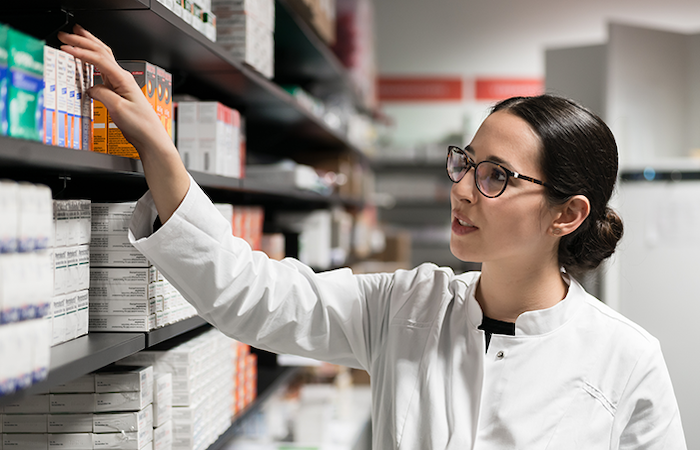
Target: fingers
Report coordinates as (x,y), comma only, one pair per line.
(105,95)
(83,45)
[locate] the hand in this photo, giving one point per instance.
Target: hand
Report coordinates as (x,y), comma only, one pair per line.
(120,94)
(165,174)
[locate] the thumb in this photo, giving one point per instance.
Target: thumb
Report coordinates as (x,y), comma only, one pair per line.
(103,94)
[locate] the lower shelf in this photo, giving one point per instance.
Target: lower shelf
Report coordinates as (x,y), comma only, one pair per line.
(95,350)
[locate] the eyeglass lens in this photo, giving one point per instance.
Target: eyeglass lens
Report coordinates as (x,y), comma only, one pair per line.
(490,178)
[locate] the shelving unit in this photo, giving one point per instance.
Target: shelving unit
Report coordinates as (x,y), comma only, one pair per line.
(94,350)
(275,124)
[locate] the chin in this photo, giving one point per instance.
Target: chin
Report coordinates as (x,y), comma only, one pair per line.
(460,252)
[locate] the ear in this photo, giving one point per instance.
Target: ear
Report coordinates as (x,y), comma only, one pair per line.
(570,215)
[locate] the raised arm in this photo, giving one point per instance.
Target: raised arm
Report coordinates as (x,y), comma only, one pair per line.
(166,176)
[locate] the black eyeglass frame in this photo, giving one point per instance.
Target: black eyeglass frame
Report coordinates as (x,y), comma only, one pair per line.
(471,164)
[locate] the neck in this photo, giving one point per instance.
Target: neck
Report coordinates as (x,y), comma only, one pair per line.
(505,291)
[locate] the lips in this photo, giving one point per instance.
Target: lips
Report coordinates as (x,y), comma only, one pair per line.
(462,225)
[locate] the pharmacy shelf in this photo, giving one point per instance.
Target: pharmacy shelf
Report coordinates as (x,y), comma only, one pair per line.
(200,67)
(168,332)
(83,355)
(270,381)
(95,350)
(114,178)
(302,57)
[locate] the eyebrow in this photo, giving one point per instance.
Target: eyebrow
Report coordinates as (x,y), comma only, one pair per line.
(493,158)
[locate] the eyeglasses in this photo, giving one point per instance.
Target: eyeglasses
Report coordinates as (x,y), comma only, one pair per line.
(490,177)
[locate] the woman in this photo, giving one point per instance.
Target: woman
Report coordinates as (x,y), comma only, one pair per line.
(515,356)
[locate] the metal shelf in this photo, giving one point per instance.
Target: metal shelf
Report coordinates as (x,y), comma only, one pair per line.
(168,332)
(108,177)
(83,355)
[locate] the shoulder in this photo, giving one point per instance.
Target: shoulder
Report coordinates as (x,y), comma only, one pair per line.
(617,324)
(419,294)
(620,341)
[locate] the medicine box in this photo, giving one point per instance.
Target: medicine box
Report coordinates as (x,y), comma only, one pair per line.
(33,404)
(133,323)
(70,423)
(71,320)
(25,441)
(4,79)
(83,315)
(77,139)
(25,87)
(9,206)
(24,423)
(72,441)
(70,100)
(125,258)
(137,421)
(50,95)
(163,436)
(86,106)
(123,401)
(164,95)
(62,131)
(111,218)
(72,403)
(125,379)
(122,441)
(100,120)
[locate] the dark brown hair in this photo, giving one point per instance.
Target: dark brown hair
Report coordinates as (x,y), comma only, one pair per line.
(579,157)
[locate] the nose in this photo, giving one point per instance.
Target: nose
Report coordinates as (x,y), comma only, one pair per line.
(465,189)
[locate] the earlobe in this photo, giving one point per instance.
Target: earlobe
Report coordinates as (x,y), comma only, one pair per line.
(571,215)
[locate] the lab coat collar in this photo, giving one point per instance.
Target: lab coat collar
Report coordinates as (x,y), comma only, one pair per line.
(531,323)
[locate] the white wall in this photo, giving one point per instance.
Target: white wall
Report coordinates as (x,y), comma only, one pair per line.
(497,38)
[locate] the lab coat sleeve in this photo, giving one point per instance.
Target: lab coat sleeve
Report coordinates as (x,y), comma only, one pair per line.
(280,306)
(648,414)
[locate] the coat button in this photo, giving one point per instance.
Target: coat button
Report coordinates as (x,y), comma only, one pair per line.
(500,355)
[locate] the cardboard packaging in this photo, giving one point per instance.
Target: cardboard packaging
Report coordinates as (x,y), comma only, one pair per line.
(25,95)
(50,126)
(70,423)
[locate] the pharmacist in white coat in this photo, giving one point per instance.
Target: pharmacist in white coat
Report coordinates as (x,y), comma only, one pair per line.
(517,356)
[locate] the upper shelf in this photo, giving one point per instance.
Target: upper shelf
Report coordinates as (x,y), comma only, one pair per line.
(200,67)
(34,161)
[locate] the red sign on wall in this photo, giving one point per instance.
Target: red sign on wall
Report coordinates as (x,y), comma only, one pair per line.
(502,88)
(420,89)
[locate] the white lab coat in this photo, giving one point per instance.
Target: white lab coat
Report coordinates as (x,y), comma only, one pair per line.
(574,376)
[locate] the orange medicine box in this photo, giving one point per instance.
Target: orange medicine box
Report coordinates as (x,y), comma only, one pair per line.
(145,75)
(164,104)
(100,121)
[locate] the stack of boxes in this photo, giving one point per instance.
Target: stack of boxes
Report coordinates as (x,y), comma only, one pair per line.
(245,376)
(21,84)
(246,29)
(67,111)
(196,13)
(127,292)
(246,222)
(163,411)
(156,84)
(204,372)
(209,138)
(111,409)
(26,282)
(71,270)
